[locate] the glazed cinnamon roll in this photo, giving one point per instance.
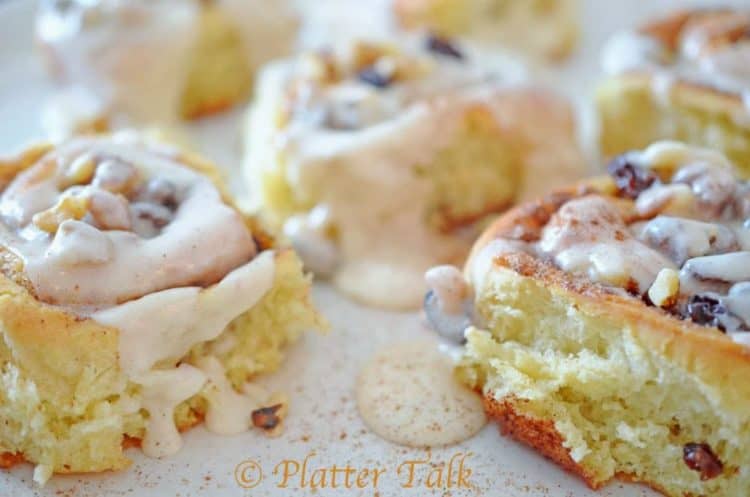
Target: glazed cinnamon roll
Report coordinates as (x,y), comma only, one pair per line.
(608,325)
(137,301)
(685,77)
(378,160)
(157,60)
(543,28)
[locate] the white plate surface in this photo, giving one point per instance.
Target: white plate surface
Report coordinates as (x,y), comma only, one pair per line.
(321,370)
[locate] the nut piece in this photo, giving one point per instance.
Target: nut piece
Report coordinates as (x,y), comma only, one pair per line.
(115,175)
(675,199)
(67,207)
(79,172)
(664,290)
(110,210)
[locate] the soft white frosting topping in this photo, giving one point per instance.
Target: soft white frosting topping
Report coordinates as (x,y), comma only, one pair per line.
(449,286)
(85,263)
(349,148)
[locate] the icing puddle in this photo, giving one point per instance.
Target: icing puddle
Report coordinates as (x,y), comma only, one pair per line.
(407,394)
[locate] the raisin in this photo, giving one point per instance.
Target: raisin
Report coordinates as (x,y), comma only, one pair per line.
(699,457)
(443,46)
(372,76)
(630,178)
(706,310)
(266,417)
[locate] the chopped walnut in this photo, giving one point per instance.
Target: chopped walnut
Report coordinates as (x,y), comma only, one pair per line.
(79,172)
(666,287)
(110,211)
(67,207)
(115,175)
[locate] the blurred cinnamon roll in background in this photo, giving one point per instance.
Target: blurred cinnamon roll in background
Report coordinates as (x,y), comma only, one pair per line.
(544,28)
(379,160)
(685,77)
(155,61)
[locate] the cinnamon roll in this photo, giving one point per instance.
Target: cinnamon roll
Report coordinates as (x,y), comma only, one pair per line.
(157,60)
(607,324)
(377,160)
(135,302)
(685,77)
(545,28)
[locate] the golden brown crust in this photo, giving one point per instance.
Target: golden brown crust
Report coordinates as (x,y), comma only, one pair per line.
(539,434)
(9,459)
(210,107)
(542,436)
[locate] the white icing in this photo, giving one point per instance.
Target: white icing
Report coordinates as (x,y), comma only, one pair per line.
(307,232)
(352,149)
(229,411)
(78,243)
(449,286)
(738,302)
(732,267)
(683,239)
(166,324)
(588,236)
(408,394)
(184,253)
(161,391)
